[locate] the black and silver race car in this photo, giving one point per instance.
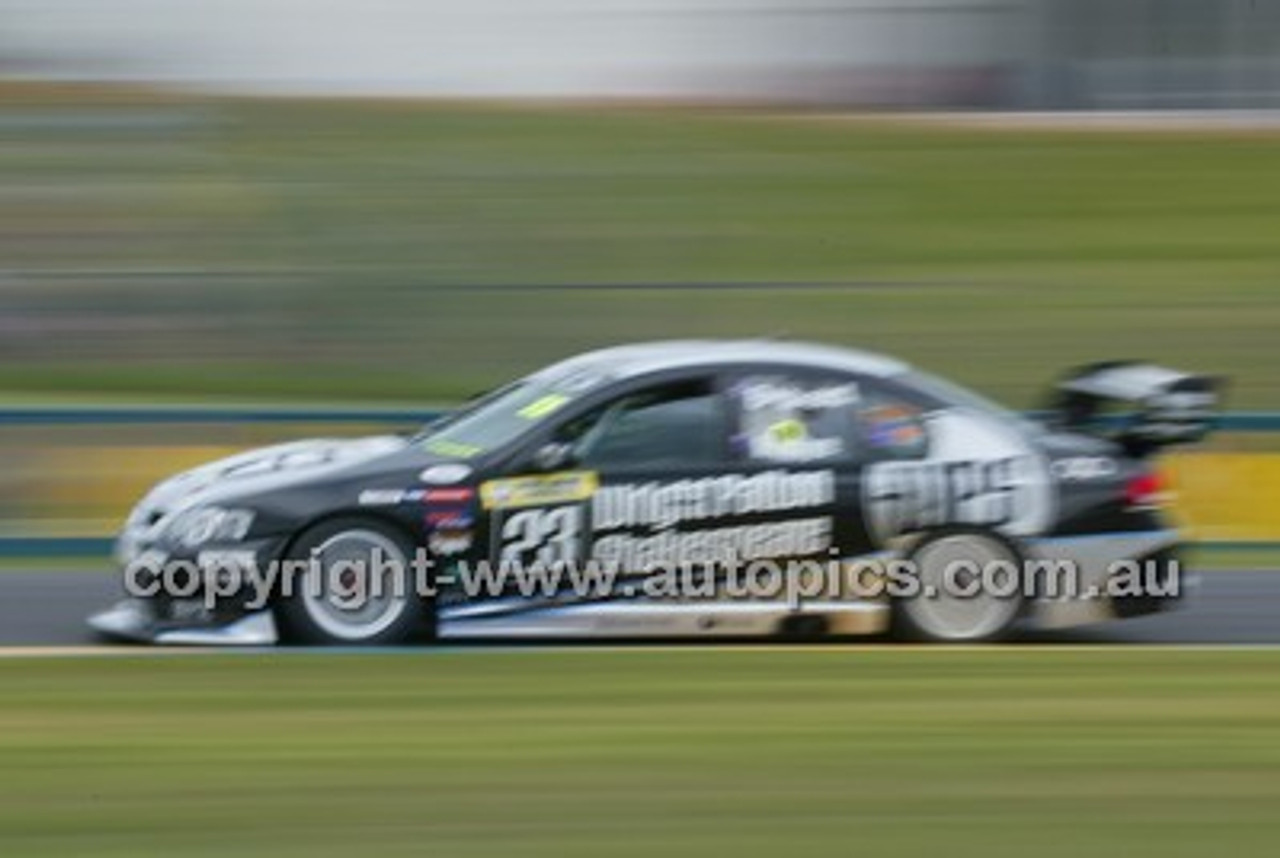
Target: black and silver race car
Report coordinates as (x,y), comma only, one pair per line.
(631,492)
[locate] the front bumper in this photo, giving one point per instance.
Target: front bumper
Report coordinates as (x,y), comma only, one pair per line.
(221,594)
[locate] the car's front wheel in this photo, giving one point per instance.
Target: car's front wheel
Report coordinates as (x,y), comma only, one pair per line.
(969,588)
(352,583)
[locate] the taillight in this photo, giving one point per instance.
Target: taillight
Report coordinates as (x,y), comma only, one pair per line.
(1145,490)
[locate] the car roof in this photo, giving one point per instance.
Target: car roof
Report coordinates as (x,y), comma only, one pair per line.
(643,358)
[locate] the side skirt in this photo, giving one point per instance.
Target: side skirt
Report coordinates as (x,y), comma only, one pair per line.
(640,619)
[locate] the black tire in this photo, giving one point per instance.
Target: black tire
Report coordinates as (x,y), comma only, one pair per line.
(312,608)
(944,617)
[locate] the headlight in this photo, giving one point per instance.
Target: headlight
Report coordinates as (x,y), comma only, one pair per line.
(195,527)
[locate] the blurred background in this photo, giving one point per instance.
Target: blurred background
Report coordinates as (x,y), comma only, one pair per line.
(399,203)
(229,222)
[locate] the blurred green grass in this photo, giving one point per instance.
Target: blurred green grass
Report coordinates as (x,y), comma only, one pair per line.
(999,752)
(365,239)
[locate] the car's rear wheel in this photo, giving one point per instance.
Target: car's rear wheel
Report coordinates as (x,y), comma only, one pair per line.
(356,586)
(970,588)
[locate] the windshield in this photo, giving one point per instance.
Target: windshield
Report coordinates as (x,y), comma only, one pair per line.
(493,420)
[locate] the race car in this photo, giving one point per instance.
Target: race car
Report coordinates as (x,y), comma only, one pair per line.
(618,494)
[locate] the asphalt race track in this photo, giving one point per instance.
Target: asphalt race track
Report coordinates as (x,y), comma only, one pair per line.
(47,608)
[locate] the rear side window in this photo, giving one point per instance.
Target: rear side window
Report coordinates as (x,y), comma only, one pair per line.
(890,424)
(811,418)
(799,418)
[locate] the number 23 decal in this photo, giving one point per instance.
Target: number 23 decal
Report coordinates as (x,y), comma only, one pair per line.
(542,535)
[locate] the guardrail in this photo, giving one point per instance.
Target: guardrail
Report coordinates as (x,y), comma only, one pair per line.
(69,473)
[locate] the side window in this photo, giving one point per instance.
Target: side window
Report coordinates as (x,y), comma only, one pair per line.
(890,424)
(668,426)
(794,418)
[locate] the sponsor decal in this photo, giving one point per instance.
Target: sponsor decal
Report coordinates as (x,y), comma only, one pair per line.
(462,494)
(447,543)
(445,447)
(633,524)
(542,535)
(1082,469)
(794,538)
(443,475)
(788,440)
(661,505)
(543,406)
(782,396)
(554,535)
(905,497)
(538,490)
(780,419)
(450,519)
(893,427)
(980,472)
(391,497)
(382,497)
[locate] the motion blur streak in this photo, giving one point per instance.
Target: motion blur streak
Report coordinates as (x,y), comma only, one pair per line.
(409,201)
(637,753)
(74,488)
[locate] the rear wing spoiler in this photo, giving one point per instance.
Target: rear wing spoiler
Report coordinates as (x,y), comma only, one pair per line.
(1140,405)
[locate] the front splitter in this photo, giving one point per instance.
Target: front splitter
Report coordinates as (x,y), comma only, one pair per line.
(130,620)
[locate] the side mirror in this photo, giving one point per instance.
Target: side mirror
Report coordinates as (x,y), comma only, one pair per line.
(553,456)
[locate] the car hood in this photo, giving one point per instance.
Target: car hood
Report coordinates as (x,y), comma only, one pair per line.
(261,470)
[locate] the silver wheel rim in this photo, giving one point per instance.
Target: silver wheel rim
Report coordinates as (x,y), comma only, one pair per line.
(345,604)
(946,615)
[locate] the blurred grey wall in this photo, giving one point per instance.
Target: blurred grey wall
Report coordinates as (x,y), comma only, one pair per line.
(969,53)
(844,51)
